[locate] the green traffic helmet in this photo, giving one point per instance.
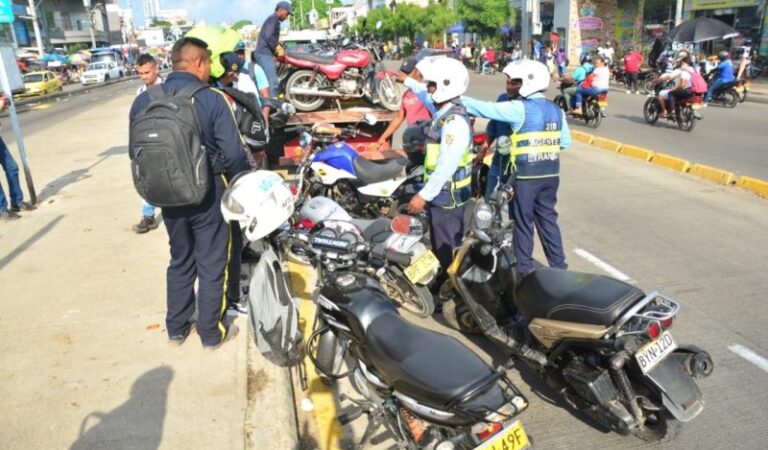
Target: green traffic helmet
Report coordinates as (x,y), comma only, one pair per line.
(220,40)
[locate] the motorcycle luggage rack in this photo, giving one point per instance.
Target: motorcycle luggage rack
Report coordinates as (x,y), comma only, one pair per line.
(509,390)
(666,309)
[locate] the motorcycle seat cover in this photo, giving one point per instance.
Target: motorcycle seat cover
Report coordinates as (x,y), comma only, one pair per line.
(425,365)
(574,297)
(369,172)
(375,231)
(313,57)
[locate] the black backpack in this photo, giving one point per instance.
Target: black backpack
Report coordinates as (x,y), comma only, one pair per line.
(169,162)
(250,119)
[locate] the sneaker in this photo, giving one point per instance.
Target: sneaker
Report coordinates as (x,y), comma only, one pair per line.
(23,206)
(9,215)
(147,223)
(628,91)
(235,309)
(231,335)
(177,340)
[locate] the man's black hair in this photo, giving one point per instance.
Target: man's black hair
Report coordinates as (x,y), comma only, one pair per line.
(145,58)
(181,44)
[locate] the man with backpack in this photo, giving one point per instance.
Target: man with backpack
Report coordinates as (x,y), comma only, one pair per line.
(183,165)
(681,76)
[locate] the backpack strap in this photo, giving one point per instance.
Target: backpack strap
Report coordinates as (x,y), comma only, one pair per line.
(191,89)
(156,92)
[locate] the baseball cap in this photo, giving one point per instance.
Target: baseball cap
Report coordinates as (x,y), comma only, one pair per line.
(408,65)
(285,5)
(231,62)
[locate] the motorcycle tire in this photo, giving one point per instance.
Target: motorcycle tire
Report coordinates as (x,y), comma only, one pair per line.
(648,87)
(686,120)
(301,78)
(594,115)
(389,93)
(743,96)
(730,98)
(560,101)
(651,110)
(660,427)
(458,316)
(413,298)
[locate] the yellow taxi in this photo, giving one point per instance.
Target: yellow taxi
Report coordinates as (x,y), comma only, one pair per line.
(41,83)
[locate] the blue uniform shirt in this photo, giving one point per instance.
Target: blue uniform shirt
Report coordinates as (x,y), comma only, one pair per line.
(454,142)
(495,128)
(269,36)
(725,71)
(221,136)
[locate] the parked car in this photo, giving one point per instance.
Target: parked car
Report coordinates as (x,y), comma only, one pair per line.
(100,72)
(41,83)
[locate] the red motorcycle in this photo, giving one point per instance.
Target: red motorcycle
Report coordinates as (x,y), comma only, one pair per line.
(355,71)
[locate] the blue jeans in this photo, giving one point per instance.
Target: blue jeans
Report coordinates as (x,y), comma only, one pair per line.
(12,175)
(499,169)
(147,210)
(717,84)
(582,92)
(267,62)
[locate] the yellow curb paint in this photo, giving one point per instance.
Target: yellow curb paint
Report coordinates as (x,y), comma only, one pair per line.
(322,396)
(607,144)
(759,187)
(671,162)
(582,136)
(710,173)
(636,152)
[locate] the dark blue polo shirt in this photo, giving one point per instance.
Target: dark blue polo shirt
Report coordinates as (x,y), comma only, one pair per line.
(269,36)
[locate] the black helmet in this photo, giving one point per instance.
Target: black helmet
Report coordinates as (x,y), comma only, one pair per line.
(414,137)
(723,55)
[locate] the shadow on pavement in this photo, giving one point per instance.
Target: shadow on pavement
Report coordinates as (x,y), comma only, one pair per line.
(635,119)
(31,240)
(137,423)
(78,175)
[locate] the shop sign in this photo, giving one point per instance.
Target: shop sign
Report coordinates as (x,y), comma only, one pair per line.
(590,23)
(720,4)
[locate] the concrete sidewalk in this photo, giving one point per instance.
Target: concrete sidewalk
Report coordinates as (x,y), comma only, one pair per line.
(84,357)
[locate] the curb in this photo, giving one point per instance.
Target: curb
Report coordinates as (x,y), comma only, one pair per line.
(671,162)
(759,187)
(710,173)
(637,152)
(607,144)
(582,137)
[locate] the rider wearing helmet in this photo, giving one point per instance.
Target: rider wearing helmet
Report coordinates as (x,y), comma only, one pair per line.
(578,75)
(447,162)
(724,75)
(681,76)
(540,132)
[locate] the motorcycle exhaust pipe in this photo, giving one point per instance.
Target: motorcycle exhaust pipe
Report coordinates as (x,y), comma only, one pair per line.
(699,364)
(318,93)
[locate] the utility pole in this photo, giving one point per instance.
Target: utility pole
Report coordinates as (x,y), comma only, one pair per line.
(679,13)
(38,37)
(525,31)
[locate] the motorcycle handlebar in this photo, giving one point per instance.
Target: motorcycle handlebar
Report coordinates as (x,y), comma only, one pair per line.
(382,252)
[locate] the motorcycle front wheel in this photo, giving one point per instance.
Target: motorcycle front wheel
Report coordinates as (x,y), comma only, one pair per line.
(303,79)
(389,93)
(414,298)
(651,111)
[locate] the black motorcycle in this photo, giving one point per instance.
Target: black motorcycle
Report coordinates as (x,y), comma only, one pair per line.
(685,114)
(726,95)
(426,389)
(591,109)
(604,345)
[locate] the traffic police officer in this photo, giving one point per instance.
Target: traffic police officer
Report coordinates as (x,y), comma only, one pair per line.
(540,132)
(447,165)
(200,240)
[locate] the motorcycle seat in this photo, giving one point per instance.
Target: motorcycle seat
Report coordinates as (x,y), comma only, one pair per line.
(375,231)
(328,58)
(574,297)
(425,365)
(369,171)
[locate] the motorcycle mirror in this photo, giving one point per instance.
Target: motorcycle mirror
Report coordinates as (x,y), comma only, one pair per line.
(370,119)
(378,24)
(503,145)
(290,109)
(407,225)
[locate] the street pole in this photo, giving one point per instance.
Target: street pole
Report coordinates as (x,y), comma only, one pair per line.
(525,30)
(679,13)
(38,37)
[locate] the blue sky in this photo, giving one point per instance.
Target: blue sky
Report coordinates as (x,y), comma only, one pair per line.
(212,11)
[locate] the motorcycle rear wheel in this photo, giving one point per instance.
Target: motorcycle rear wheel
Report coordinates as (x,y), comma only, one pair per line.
(651,111)
(594,115)
(730,98)
(414,298)
(389,93)
(685,119)
(660,427)
(301,79)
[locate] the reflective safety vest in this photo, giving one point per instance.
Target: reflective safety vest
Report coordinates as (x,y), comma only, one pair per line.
(536,145)
(458,190)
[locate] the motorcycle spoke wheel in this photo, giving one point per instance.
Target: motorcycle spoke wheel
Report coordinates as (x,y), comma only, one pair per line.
(390,94)
(414,298)
(594,114)
(302,79)
(730,98)
(651,111)
(685,119)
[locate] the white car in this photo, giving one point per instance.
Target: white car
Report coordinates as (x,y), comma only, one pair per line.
(100,72)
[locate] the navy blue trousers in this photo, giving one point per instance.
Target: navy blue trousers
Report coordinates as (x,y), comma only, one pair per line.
(534,204)
(201,246)
(447,231)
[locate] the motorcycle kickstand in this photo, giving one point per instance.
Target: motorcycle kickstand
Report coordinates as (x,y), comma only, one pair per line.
(374,423)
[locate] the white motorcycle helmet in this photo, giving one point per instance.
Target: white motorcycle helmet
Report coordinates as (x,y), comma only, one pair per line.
(450,76)
(534,74)
(260,201)
(502,145)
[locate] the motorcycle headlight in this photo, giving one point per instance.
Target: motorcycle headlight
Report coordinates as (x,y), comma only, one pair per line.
(305,139)
(483,216)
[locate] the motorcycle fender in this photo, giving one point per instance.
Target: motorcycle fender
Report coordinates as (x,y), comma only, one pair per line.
(382,74)
(382,188)
(679,392)
(329,175)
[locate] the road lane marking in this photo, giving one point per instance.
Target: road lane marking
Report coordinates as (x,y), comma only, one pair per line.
(750,356)
(612,271)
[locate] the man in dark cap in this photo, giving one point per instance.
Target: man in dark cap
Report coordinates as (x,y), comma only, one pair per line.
(268,46)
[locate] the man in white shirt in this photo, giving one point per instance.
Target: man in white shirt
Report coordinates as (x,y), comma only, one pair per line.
(600,80)
(681,76)
(149,72)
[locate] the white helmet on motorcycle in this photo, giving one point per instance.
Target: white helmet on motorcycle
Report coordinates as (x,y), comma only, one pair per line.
(260,201)
(534,75)
(450,76)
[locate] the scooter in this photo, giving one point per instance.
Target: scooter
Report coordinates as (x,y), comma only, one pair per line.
(603,344)
(366,188)
(407,285)
(426,389)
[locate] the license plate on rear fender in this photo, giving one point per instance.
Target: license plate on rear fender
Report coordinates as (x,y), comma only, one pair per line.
(510,438)
(653,352)
(696,106)
(423,266)
(739,89)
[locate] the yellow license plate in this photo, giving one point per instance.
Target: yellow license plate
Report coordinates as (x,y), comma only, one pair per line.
(696,106)
(740,89)
(422,267)
(603,104)
(512,438)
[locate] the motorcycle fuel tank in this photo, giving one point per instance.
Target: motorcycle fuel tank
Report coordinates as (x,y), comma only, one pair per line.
(339,156)
(353,58)
(357,300)
(318,209)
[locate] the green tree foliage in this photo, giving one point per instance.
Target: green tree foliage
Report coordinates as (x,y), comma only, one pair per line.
(483,16)
(408,20)
(160,23)
(304,6)
(436,19)
(240,24)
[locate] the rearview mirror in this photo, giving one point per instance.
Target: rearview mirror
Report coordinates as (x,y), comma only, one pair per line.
(407,225)
(288,108)
(370,119)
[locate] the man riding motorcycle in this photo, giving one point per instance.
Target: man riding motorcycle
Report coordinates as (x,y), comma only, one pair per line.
(681,76)
(578,75)
(724,75)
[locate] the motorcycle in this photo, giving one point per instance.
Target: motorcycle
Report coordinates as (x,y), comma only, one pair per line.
(407,285)
(726,95)
(742,87)
(367,188)
(686,111)
(355,71)
(592,108)
(603,344)
(426,389)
